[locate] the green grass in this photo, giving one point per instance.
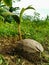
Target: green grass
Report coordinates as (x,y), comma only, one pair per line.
(35,30)
(38,30)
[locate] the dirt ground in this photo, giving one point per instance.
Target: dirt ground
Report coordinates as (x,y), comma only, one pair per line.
(17,59)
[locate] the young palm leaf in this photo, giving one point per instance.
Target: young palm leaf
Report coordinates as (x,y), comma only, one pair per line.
(24,9)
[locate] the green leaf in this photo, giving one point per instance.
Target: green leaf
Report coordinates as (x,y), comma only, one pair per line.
(1,61)
(8,2)
(5,12)
(24,9)
(2,5)
(30,7)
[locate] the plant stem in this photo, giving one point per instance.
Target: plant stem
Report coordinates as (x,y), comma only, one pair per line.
(19,32)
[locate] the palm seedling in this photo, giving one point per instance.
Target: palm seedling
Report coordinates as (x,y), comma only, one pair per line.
(18,19)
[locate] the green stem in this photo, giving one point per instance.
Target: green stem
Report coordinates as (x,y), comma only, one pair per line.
(19,32)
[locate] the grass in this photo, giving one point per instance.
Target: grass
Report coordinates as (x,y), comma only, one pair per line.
(38,30)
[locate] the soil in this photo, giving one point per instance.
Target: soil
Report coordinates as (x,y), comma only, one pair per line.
(15,59)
